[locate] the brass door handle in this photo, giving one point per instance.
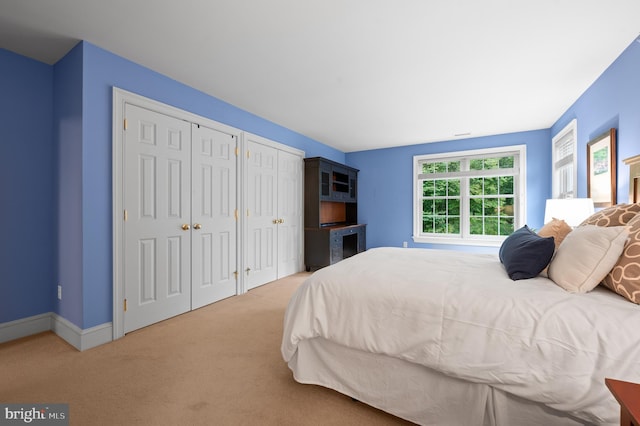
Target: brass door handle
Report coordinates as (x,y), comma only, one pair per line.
(197,226)
(185,227)
(280,220)
(275,221)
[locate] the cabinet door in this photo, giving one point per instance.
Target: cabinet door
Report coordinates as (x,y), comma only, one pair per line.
(353,186)
(335,246)
(325,182)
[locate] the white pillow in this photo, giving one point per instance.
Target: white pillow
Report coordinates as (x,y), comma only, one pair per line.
(586,256)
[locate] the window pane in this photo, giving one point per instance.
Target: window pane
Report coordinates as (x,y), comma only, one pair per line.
(441,206)
(490,207)
(491,186)
(427,223)
(475,206)
(476,225)
(453,206)
(506,185)
(507,162)
(428,168)
(427,206)
(441,167)
(428,188)
(440,225)
(453,223)
(453,166)
(475,164)
(491,226)
(490,163)
(506,206)
(441,188)
(475,186)
(506,226)
(453,188)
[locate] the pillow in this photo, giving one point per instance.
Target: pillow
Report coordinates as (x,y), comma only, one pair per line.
(617,215)
(524,253)
(586,256)
(624,278)
(557,228)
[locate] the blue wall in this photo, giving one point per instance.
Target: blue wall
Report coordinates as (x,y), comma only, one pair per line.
(613,100)
(67,112)
(385,184)
(26,187)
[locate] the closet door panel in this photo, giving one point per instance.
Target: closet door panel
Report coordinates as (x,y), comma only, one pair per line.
(157,199)
(290,214)
(262,219)
(214,215)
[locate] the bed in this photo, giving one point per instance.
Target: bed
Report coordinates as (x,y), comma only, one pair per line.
(449,338)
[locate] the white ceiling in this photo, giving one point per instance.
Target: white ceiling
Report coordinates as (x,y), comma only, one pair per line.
(353,74)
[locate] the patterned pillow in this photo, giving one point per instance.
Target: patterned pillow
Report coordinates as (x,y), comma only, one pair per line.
(624,278)
(617,215)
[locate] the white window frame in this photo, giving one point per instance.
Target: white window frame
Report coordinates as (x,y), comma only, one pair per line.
(569,134)
(465,238)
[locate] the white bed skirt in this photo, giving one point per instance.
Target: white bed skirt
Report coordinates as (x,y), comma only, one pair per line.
(414,392)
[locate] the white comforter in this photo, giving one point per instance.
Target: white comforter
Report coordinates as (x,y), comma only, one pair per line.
(460,314)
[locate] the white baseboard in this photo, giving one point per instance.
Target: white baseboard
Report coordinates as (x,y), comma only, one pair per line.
(71,333)
(25,327)
(79,338)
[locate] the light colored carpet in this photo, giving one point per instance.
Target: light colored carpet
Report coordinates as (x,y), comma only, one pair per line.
(218,365)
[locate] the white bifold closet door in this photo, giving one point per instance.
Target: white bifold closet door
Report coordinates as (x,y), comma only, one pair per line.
(274,213)
(180,231)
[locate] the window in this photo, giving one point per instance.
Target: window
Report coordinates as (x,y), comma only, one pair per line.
(469,197)
(564,156)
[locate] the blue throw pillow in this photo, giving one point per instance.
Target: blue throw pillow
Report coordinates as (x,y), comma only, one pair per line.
(525,254)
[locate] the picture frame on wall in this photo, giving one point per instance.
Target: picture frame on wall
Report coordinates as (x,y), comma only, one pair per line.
(601,169)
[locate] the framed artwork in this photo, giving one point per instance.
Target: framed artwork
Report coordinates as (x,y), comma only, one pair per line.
(601,169)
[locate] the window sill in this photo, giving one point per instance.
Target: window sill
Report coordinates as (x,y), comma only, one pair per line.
(497,242)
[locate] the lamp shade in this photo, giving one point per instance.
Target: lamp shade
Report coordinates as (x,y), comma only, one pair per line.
(571,210)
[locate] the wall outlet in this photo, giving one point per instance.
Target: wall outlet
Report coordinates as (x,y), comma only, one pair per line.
(404,244)
(59,292)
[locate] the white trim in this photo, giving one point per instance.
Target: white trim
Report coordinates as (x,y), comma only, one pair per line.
(25,327)
(79,338)
(71,333)
(273,144)
(489,241)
